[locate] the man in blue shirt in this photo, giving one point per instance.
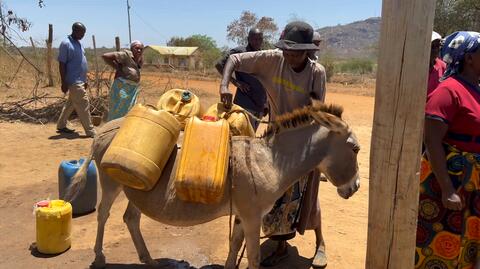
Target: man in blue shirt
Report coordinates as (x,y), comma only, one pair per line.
(250,93)
(73,73)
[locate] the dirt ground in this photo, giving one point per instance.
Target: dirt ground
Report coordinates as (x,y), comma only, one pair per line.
(29,158)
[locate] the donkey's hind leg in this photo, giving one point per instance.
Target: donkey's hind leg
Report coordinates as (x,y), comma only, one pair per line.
(110,191)
(132,219)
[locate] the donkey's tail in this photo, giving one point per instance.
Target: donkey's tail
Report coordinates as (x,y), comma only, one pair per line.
(79,180)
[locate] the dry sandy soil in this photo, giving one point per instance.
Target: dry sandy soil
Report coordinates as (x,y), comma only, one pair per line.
(29,159)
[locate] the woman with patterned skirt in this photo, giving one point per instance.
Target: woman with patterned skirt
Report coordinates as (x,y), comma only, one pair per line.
(123,93)
(448,231)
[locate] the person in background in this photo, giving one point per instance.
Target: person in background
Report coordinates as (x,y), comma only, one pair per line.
(448,227)
(124,91)
(317,39)
(291,81)
(73,74)
(437,66)
(250,93)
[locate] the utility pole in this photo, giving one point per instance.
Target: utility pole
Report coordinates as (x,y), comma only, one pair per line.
(2,26)
(129,28)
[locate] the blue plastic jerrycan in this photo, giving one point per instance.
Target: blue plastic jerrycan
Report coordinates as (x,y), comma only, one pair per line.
(86,201)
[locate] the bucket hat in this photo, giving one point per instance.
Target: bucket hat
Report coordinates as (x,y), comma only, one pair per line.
(297,35)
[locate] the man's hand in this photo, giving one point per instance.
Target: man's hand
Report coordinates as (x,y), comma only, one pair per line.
(64,88)
(225,96)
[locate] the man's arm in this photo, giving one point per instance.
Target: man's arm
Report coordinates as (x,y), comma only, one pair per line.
(225,94)
(62,68)
(62,65)
(319,84)
(220,65)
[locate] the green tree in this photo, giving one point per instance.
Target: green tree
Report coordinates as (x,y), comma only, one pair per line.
(237,30)
(207,46)
(457,15)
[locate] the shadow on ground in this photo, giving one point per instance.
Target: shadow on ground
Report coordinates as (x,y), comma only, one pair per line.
(162,264)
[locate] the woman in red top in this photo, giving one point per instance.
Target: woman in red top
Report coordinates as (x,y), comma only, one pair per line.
(448,231)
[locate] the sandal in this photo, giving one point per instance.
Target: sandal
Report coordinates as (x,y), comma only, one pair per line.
(320,259)
(274,259)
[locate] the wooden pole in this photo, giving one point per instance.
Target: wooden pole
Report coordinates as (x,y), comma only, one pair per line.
(96,65)
(50,55)
(117,43)
(397,130)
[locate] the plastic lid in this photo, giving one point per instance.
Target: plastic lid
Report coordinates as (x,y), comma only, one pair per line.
(186,96)
(209,118)
(56,208)
(44,203)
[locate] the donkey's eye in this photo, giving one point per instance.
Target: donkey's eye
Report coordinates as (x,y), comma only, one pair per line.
(356,149)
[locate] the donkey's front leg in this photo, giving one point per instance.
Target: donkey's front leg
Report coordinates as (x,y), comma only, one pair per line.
(235,244)
(251,227)
(132,219)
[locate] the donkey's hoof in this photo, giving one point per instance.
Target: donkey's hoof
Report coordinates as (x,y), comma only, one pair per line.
(99,262)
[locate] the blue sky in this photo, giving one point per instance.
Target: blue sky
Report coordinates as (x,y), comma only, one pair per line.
(155,21)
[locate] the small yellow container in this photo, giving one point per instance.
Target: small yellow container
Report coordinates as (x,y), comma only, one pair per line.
(141,148)
(54,226)
(237,119)
(203,167)
(182,104)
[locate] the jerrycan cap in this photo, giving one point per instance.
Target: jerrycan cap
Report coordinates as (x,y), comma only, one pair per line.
(44,203)
(209,118)
(186,96)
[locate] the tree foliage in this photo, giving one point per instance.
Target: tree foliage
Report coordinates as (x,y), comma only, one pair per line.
(9,19)
(207,46)
(237,30)
(457,15)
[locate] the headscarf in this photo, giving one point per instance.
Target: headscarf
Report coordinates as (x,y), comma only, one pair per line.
(456,46)
(135,42)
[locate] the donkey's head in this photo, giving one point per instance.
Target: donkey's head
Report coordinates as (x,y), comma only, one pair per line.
(339,163)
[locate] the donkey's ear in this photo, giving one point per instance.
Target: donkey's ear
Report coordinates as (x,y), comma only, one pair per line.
(330,121)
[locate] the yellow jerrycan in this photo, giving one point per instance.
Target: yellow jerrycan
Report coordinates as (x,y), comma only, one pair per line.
(53,226)
(201,173)
(237,119)
(182,104)
(141,147)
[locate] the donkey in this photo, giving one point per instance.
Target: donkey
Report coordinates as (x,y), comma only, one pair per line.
(260,171)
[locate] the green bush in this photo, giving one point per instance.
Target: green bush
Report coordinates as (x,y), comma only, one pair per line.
(356,66)
(328,62)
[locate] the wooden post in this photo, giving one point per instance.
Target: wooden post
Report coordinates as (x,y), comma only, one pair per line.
(50,55)
(96,65)
(117,43)
(397,130)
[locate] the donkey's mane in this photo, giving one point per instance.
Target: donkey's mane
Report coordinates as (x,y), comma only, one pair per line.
(301,117)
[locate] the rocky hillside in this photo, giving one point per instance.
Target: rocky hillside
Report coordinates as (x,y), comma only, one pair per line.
(355,40)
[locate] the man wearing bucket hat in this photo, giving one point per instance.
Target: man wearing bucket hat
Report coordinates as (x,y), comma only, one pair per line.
(437,66)
(291,81)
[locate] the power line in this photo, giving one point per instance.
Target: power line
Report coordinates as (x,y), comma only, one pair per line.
(148,25)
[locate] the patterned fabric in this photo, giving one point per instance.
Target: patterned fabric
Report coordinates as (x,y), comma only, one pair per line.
(283,217)
(448,239)
(456,46)
(123,96)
